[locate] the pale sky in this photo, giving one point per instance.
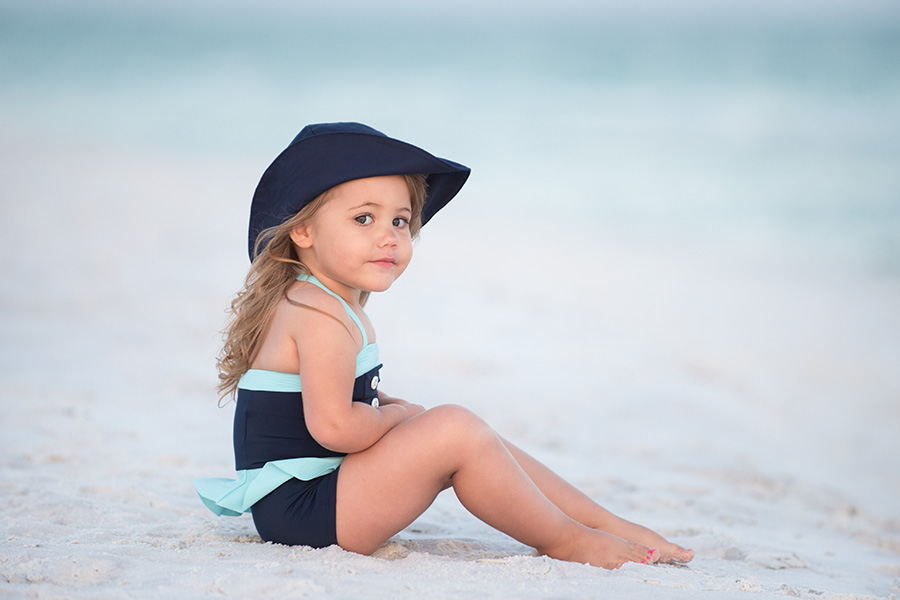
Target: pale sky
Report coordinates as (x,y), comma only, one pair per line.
(476,8)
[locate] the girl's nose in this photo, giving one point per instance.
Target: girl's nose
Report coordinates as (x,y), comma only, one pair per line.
(388,236)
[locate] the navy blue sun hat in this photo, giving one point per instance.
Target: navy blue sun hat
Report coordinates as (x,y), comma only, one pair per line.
(328,154)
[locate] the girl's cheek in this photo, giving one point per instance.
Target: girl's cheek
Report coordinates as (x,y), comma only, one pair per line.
(403,261)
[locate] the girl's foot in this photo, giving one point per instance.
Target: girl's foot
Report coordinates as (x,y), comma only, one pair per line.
(673,553)
(605,550)
(667,552)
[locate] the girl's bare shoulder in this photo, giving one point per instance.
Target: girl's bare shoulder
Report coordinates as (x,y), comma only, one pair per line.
(306,308)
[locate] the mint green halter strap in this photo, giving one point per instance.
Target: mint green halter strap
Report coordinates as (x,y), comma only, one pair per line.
(312,279)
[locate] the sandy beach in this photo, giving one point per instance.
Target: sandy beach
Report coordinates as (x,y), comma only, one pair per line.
(750,415)
(685,300)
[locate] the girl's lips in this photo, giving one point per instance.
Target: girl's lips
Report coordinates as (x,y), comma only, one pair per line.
(385,261)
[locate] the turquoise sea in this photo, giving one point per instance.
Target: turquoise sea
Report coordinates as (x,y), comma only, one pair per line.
(767,128)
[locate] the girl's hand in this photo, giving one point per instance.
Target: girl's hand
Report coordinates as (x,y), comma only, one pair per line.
(412,409)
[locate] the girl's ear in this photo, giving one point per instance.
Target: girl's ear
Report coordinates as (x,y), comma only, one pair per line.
(300,235)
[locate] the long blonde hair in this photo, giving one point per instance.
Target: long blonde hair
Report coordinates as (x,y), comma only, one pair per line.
(274,269)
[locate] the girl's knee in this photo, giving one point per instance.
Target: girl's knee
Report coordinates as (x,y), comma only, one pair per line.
(455,414)
(458,422)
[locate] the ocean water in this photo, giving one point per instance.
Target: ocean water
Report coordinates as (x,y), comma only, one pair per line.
(771,133)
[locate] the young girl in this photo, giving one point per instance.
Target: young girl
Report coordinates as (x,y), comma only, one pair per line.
(323,455)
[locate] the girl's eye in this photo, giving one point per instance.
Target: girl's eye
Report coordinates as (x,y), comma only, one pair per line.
(401,222)
(364,219)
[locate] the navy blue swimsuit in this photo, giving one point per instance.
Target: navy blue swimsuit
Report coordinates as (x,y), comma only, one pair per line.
(269,426)
(285,478)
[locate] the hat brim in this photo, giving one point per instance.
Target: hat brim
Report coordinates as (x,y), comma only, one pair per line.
(313,164)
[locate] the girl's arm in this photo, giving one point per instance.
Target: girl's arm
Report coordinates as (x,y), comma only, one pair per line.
(327,356)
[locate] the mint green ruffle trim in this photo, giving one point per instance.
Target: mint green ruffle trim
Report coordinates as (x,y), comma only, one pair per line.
(233,497)
(270,381)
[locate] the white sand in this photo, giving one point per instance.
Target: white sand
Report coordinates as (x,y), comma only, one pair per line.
(744,409)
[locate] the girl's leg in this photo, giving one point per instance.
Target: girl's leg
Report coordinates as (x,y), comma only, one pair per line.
(384,488)
(580,507)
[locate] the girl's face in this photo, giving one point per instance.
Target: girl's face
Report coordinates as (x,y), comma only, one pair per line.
(359,240)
